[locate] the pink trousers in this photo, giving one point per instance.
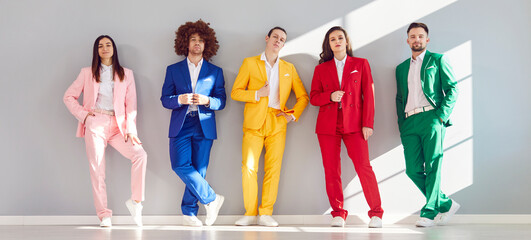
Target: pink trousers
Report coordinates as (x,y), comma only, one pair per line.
(101,130)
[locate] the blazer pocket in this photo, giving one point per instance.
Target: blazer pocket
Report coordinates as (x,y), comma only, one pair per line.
(431,70)
(87,122)
(355,78)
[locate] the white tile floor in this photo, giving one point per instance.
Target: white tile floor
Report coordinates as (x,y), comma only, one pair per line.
(291,232)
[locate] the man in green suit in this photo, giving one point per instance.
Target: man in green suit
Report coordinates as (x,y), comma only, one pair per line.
(426,95)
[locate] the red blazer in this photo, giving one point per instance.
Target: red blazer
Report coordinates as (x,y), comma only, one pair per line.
(357,103)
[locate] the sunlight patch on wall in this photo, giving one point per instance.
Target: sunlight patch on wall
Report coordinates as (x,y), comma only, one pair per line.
(366,24)
(400,197)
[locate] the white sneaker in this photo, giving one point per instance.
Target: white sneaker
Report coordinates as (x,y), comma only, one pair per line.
(267,220)
(212,209)
(425,222)
(192,221)
(337,222)
(246,221)
(443,218)
(136,211)
(106,222)
(375,222)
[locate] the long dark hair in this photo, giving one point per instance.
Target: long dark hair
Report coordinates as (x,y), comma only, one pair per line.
(327,54)
(96,60)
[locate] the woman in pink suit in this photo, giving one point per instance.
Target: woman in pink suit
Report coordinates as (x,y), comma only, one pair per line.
(342,87)
(108,116)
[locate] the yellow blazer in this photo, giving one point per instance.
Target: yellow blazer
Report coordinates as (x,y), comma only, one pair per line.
(252,76)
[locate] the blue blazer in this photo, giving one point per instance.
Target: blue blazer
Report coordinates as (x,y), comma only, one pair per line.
(209,83)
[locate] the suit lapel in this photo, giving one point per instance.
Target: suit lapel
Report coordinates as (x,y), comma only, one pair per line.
(404,82)
(261,65)
(202,73)
(425,62)
(117,89)
(332,71)
(346,71)
(284,82)
(186,79)
(95,90)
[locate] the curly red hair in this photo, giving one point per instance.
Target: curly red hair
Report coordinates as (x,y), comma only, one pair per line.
(202,28)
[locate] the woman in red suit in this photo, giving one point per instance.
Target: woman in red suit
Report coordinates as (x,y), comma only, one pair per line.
(342,87)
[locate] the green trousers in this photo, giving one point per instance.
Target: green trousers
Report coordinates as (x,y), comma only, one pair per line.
(422,136)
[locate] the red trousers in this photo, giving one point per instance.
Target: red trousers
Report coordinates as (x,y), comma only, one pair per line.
(358,151)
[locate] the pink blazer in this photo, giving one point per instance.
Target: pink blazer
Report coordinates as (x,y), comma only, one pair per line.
(124,100)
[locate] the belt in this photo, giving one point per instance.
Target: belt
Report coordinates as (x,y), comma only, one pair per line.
(192,114)
(106,112)
(419,110)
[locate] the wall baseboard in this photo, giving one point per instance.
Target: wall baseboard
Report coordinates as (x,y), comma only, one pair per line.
(282,219)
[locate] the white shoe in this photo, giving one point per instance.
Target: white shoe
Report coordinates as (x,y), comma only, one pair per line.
(106,222)
(212,209)
(267,220)
(246,221)
(425,222)
(136,211)
(337,222)
(443,218)
(192,221)
(375,222)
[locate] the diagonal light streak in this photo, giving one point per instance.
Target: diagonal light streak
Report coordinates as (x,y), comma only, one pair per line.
(367,24)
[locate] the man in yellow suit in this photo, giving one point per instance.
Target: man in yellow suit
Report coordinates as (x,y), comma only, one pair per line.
(264,83)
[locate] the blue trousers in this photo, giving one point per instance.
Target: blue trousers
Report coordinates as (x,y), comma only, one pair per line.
(189,154)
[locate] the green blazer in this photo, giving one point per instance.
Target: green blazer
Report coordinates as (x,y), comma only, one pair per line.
(438,83)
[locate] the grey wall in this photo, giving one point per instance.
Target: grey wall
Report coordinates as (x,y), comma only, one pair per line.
(44,44)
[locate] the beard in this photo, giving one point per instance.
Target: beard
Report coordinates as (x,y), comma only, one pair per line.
(418,48)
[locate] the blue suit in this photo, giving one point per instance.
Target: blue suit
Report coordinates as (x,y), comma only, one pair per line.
(191,137)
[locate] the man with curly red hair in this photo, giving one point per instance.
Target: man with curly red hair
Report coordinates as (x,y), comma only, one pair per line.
(194,89)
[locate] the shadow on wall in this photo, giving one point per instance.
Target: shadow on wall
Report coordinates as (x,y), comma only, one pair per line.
(400,197)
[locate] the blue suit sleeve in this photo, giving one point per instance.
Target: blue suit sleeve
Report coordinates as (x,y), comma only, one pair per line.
(169,98)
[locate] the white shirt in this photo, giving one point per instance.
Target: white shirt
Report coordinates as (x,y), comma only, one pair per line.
(272,77)
(105,93)
(194,75)
(340,65)
(415,96)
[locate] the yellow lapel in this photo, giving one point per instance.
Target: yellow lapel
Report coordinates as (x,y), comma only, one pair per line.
(261,67)
(284,82)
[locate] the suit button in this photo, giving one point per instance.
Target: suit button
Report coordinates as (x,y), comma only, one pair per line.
(350,93)
(328,107)
(351,105)
(356,81)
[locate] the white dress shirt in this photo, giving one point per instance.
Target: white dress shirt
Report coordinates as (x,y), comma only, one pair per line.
(194,75)
(272,77)
(340,65)
(415,96)
(105,93)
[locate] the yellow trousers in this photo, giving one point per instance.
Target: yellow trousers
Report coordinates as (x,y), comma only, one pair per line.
(272,135)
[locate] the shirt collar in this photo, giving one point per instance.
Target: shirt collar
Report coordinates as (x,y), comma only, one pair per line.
(105,68)
(419,57)
(199,64)
(264,58)
(342,61)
